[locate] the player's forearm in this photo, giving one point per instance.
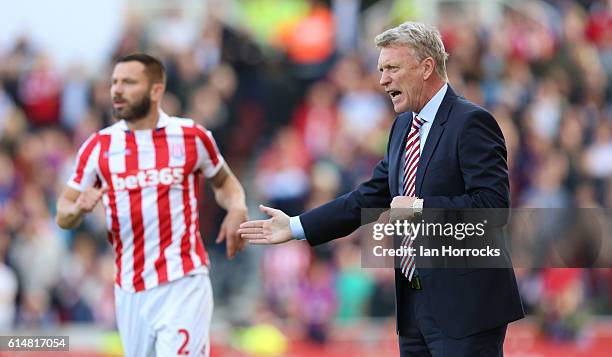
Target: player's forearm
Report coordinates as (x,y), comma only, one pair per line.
(230,196)
(69,214)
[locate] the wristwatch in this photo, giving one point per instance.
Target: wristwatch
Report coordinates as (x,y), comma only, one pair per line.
(417,205)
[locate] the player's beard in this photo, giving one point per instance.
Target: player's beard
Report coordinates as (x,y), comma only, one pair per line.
(134,112)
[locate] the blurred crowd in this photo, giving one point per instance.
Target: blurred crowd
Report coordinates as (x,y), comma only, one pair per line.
(290,91)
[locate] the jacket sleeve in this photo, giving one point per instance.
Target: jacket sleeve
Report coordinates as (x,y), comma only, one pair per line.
(342,216)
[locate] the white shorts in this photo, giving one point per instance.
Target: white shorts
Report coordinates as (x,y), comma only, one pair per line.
(172,319)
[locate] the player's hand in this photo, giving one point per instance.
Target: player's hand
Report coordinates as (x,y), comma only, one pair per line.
(401,208)
(229,231)
(275,230)
(89,198)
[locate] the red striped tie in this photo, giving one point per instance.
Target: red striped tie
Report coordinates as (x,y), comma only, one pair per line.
(411,163)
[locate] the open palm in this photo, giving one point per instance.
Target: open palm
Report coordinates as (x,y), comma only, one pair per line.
(274,230)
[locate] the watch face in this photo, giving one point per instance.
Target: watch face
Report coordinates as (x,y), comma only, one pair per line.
(418,203)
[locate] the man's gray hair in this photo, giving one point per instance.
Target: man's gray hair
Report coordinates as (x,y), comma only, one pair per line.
(425,40)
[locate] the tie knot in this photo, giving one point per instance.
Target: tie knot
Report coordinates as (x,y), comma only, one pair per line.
(417,122)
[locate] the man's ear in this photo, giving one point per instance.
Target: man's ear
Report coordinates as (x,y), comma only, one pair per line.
(157,91)
(428,67)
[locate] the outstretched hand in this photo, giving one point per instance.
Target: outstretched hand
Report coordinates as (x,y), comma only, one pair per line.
(274,230)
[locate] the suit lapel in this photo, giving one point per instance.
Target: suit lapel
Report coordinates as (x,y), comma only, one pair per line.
(433,138)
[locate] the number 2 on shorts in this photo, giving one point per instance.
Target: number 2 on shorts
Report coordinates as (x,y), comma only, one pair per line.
(182,351)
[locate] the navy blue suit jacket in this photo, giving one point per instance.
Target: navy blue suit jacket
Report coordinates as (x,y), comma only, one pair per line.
(463,165)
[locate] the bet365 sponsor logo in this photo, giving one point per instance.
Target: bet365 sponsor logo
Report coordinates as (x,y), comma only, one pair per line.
(148,178)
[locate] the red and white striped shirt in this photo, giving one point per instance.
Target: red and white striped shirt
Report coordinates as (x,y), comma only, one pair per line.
(152,199)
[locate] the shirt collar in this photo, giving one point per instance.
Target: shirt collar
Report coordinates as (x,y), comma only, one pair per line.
(163,119)
(428,113)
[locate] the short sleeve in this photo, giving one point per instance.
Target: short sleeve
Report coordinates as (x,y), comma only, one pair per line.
(84,172)
(210,160)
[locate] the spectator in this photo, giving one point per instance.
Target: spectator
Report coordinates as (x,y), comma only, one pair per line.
(8,293)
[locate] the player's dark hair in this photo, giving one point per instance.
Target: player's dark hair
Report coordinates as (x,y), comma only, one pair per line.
(154,69)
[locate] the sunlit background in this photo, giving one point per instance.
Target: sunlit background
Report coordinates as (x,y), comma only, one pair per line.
(290,91)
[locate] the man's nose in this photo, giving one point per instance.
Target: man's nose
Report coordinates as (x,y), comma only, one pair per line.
(116,89)
(384,79)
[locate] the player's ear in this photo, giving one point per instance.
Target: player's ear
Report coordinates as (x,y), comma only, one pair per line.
(157,90)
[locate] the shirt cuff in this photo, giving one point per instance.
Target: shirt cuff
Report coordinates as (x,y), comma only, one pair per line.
(297,231)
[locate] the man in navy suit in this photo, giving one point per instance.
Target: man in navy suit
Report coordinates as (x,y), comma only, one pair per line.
(444,152)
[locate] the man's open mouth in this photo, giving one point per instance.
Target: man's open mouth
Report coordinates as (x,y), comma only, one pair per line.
(394,93)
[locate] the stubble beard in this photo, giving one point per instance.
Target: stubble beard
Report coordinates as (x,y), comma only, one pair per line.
(134,112)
